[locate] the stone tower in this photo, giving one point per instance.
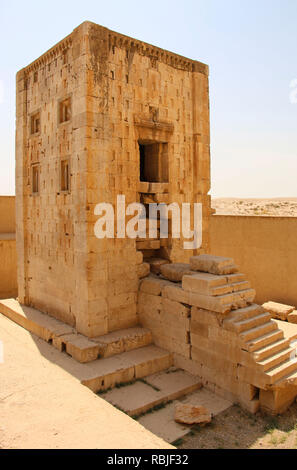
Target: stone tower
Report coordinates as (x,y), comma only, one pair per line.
(100,115)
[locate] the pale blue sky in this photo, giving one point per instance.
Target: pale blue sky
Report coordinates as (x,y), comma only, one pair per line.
(250,46)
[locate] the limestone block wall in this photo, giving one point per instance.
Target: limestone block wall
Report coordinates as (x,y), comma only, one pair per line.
(140,93)
(7,214)
(51,232)
(113,94)
(8,267)
(265,248)
(8,256)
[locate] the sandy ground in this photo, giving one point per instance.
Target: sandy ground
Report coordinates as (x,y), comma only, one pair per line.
(43,406)
(277,207)
(238,429)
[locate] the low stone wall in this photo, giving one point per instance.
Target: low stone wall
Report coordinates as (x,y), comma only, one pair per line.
(8,256)
(265,248)
(7,214)
(8,267)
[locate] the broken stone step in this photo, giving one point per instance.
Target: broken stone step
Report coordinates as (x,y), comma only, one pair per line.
(245,313)
(257,331)
(235,278)
(152,391)
(156,263)
(271,349)
(148,245)
(289,379)
(175,271)
(278,358)
(238,286)
(265,340)
(77,346)
(126,367)
(212,264)
(121,341)
(250,323)
(287,367)
(202,282)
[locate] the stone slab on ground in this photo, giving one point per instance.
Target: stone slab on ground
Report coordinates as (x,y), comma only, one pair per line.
(43,405)
(277,310)
(191,414)
(158,388)
(126,367)
(33,320)
(162,422)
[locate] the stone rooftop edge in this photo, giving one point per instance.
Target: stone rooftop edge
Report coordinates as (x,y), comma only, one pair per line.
(120,40)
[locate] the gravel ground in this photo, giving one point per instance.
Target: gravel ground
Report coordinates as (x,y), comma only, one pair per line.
(238,429)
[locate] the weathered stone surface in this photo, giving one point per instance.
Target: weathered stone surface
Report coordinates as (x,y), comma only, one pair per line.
(153,285)
(143,270)
(63,268)
(156,263)
(191,414)
(292,317)
(213,264)
(277,310)
(207,284)
(175,271)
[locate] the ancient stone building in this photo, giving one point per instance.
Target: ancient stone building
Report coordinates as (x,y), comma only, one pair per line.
(102,114)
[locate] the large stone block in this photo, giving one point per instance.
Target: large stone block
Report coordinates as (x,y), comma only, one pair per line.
(213,264)
(278,311)
(175,271)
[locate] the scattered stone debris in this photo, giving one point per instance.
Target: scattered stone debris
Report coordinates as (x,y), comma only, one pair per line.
(278,311)
(191,414)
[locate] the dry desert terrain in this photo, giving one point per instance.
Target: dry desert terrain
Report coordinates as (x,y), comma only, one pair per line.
(276,207)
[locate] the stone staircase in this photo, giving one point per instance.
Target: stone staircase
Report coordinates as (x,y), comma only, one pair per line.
(153,391)
(100,363)
(260,336)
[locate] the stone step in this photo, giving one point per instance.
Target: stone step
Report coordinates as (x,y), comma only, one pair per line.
(213,264)
(285,368)
(244,313)
(238,286)
(124,340)
(154,390)
(126,367)
(276,359)
(148,245)
(271,349)
(257,331)
(162,423)
(262,341)
(290,379)
(248,324)
(156,263)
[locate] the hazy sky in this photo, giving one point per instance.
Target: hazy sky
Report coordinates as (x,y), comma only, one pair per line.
(250,46)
